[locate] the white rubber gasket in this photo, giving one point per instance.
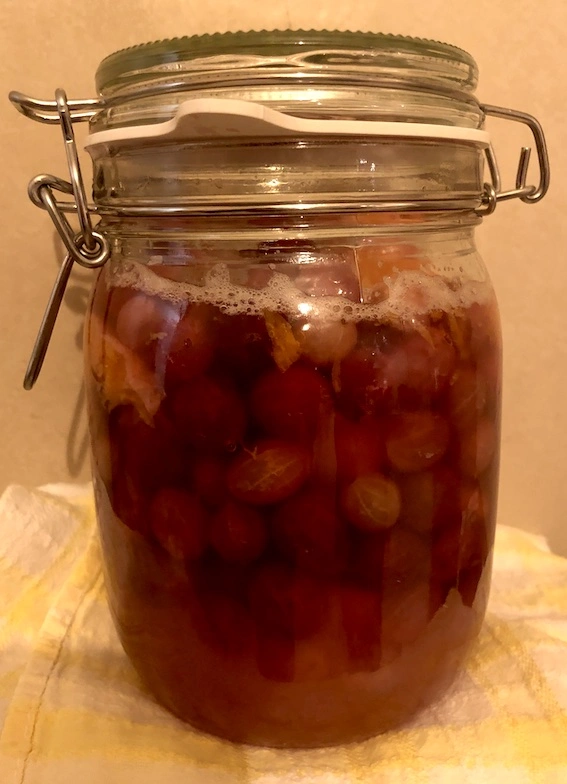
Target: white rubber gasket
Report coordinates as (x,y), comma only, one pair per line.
(222,118)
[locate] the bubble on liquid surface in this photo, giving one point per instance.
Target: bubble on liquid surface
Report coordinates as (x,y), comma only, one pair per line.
(410,294)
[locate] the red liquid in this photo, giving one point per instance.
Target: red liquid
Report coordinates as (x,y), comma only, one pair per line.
(296,533)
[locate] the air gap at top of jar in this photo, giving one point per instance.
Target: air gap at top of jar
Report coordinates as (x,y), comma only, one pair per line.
(292,361)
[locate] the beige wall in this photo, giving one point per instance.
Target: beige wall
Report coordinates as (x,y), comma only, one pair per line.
(520,47)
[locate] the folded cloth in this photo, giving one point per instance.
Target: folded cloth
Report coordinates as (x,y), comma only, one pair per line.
(73,709)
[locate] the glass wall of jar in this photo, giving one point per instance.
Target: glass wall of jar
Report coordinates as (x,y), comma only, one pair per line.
(295,428)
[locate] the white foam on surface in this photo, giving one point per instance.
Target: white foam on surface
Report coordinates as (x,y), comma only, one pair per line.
(411,294)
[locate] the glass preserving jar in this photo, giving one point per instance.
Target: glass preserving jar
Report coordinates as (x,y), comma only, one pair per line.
(293,371)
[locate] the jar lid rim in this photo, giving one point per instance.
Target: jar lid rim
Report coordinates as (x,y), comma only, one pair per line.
(168,52)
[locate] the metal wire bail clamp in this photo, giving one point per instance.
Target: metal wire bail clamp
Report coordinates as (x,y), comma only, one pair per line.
(88,248)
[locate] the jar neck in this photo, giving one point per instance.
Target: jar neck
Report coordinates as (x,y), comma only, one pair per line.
(321,174)
(444,230)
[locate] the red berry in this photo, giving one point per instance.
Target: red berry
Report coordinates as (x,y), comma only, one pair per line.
(177,520)
(143,457)
(269,472)
(394,368)
(308,532)
(371,502)
(143,320)
(359,446)
(364,384)
(190,349)
(208,480)
(243,345)
(416,440)
(290,404)
(430,358)
(238,533)
(209,414)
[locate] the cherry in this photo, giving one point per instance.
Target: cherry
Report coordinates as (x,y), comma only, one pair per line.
(416,440)
(143,457)
(237,533)
(430,358)
(142,320)
(393,368)
(269,472)
(430,499)
(209,414)
(325,342)
(477,447)
(178,520)
(308,532)
(243,345)
(286,603)
(359,446)
(290,404)
(190,350)
(371,502)
(367,379)
(208,480)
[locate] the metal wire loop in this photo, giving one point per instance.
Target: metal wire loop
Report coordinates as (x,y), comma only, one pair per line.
(489,200)
(526,193)
(74,168)
(40,191)
(47,111)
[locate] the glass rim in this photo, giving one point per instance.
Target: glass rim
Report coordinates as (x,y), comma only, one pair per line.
(159,56)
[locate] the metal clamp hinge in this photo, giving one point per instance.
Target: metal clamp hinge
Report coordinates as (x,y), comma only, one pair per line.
(88,247)
(530,194)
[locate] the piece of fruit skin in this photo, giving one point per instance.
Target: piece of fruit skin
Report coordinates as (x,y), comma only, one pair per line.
(268,472)
(371,502)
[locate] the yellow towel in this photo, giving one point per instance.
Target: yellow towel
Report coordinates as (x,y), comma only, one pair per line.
(73,711)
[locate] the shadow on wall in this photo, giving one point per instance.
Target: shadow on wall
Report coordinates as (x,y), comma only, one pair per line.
(75,301)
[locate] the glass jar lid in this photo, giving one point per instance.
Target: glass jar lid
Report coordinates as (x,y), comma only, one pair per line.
(344,48)
(307,73)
